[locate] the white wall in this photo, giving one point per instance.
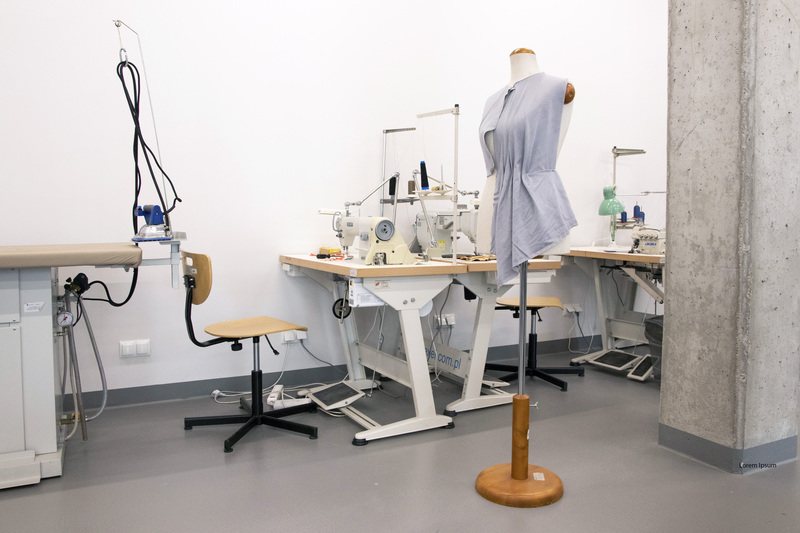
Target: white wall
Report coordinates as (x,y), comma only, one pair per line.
(267,111)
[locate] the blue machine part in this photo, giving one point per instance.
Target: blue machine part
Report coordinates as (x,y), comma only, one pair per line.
(152,214)
(154,229)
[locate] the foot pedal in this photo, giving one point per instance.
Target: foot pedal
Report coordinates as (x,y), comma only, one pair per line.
(335,396)
(616,360)
(643,369)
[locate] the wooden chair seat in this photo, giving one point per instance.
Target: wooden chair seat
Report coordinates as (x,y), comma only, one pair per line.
(532,302)
(251,327)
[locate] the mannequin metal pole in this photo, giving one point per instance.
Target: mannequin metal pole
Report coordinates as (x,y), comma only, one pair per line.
(523,334)
(519,484)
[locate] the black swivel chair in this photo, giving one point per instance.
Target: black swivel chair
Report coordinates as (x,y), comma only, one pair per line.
(533,304)
(197,278)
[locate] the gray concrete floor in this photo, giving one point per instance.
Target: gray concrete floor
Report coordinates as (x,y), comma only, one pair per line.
(140,471)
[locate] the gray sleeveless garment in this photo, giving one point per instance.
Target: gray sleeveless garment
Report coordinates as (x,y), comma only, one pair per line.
(531,208)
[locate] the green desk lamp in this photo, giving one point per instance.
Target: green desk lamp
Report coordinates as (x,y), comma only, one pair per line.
(611,206)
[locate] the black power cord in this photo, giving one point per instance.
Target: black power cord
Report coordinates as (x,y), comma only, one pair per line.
(133,98)
(80,284)
(108,299)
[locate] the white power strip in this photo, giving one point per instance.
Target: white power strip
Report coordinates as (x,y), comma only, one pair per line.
(277,392)
(290,402)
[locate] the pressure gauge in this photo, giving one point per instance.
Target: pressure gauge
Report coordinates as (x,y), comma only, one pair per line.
(65,319)
(384,230)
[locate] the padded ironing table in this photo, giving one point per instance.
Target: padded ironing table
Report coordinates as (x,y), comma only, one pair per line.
(30,356)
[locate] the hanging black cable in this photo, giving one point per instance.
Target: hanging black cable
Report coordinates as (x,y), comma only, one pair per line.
(133,98)
(108,299)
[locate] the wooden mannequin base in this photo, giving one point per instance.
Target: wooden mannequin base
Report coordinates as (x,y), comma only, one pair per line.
(542,487)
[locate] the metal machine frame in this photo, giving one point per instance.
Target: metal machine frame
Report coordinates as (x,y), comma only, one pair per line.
(627,328)
(408,289)
(407,294)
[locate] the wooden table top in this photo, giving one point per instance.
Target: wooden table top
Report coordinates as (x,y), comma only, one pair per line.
(598,252)
(436,267)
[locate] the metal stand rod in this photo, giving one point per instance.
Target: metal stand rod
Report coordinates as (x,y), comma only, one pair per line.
(425,214)
(523,333)
(454,235)
(383,171)
(80,414)
(256,356)
(383,161)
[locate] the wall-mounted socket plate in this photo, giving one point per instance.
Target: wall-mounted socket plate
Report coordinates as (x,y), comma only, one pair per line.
(135,348)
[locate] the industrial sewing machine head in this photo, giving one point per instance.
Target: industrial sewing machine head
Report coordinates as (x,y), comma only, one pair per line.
(441,224)
(372,240)
(648,240)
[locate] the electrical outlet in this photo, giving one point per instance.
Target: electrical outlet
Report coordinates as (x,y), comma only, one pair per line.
(143,347)
(294,336)
(127,348)
(446,320)
(136,348)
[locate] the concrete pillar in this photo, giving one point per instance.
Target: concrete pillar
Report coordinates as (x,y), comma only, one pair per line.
(731,369)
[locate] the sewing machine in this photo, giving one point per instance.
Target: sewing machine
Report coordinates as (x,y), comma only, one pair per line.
(648,241)
(442,226)
(374,239)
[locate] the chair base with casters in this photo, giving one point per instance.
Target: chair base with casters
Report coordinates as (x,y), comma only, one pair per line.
(256,416)
(533,304)
(197,278)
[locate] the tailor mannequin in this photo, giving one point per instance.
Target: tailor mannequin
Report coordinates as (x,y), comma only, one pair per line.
(523,64)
